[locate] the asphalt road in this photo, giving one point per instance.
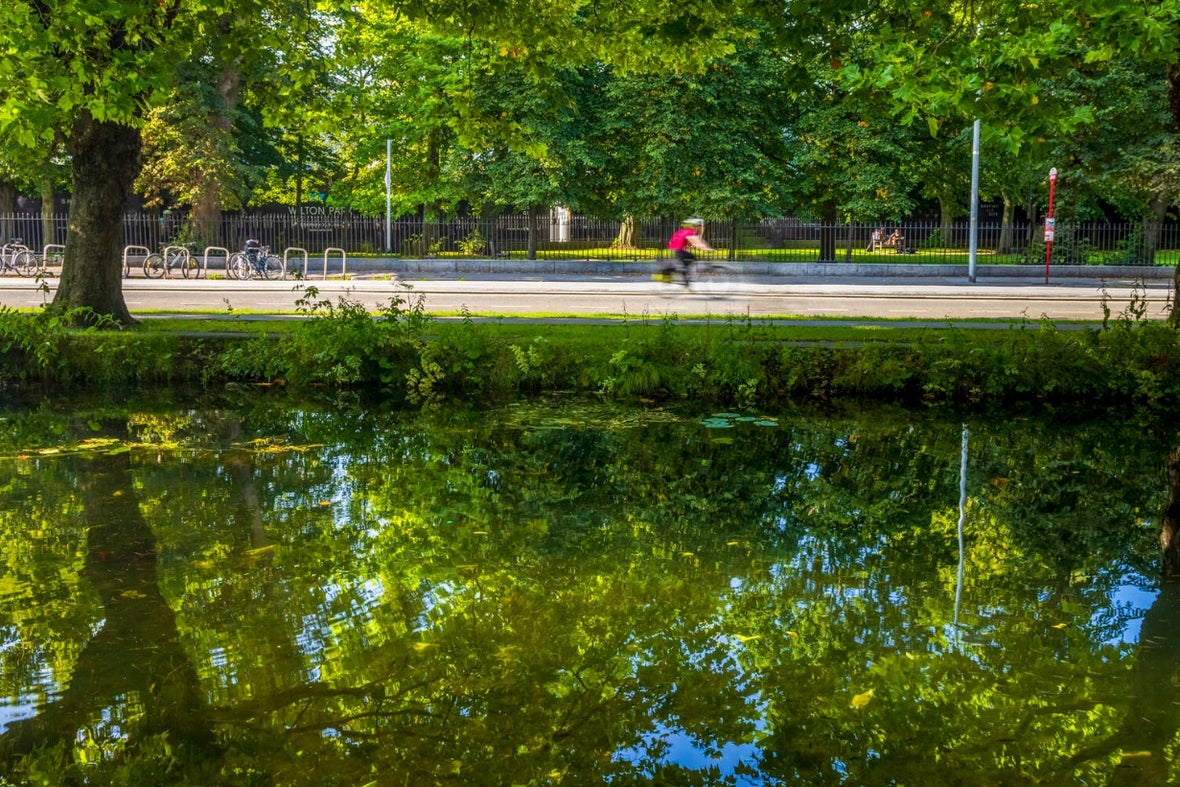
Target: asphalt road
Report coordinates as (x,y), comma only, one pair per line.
(909,298)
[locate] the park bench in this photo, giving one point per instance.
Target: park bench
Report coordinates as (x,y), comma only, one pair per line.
(896,241)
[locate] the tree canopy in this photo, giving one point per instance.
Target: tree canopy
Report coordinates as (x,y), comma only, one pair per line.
(836,110)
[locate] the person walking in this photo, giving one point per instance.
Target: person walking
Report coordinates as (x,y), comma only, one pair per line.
(682,243)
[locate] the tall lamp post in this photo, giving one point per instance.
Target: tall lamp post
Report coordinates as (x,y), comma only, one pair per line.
(1050,223)
(388,194)
(973,237)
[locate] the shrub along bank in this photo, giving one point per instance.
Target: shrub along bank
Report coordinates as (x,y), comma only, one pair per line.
(404,352)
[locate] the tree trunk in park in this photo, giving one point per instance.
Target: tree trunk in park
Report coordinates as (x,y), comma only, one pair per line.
(626,237)
(534,230)
(46,211)
(1004,244)
(206,214)
(105,161)
(946,220)
(1031,237)
(1152,226)
(7,198)
(827,233)
(489,215)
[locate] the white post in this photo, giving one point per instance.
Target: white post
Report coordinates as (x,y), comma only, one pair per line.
(388,195)
(973,238)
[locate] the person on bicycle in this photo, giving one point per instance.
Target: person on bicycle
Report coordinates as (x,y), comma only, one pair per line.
(682,242)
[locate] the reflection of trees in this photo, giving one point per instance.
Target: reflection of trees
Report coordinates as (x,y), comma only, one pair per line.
(135,665)
(452,597)
(1145,740)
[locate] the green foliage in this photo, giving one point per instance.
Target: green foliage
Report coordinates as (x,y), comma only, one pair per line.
(1127,361)
(934,240)
(473,245)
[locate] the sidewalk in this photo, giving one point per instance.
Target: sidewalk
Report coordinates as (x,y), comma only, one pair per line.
(781,272)
(516,288)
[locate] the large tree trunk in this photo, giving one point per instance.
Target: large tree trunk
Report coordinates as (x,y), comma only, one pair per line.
(105,163)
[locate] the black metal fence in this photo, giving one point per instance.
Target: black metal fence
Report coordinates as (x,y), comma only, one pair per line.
(562,235)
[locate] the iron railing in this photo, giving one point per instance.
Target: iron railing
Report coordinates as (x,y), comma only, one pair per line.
(561,235)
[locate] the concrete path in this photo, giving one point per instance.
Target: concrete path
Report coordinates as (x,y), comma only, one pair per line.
(910,294)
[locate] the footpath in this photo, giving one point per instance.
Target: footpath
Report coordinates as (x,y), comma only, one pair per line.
(554,289)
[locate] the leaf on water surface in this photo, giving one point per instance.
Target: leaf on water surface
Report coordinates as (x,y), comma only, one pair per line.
(861,700)
(717,423)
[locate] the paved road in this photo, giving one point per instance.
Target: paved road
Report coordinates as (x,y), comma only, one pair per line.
(636,296)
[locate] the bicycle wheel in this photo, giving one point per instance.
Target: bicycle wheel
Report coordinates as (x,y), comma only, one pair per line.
(26,263)
(153,266)
(237,267)
(273,268)
(178,260)
(190,267)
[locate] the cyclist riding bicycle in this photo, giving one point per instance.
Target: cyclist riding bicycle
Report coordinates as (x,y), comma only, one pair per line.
(682,242)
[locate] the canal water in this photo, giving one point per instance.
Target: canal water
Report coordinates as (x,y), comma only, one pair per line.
(251,590)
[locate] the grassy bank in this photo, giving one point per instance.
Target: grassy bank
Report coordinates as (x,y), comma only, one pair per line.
(403,352)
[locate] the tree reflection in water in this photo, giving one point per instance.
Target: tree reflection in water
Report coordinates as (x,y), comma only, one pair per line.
(563,591)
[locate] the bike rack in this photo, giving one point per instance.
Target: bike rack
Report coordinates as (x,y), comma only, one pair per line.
(55,247)
(167,249)
(205,258)
(343,260)
(287,255)
(126,252)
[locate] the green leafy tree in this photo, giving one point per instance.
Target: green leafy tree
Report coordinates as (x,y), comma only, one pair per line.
(83,71)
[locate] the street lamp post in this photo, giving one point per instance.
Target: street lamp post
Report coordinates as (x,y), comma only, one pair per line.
(973,238)
(388,195)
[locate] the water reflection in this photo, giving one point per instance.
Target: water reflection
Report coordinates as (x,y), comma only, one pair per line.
(565,591)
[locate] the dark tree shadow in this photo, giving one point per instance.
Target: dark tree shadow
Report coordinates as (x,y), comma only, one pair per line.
(137,655)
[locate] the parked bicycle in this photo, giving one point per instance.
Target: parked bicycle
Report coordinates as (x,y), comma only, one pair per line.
(172,258)
(255,262)
(16,256)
